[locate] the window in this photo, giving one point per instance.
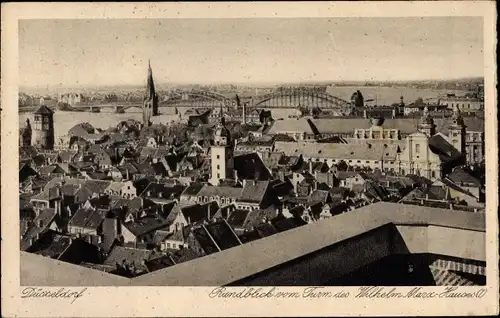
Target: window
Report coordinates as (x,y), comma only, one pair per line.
(218,167)
(417,148)
(168,245)
(218,175)
(433,174)
(367,161)
(359,161)
(218,157)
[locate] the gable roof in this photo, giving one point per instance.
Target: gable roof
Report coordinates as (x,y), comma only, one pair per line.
(250,166)
(253,191)
(193,189)
(43,110)
(146,225)
(87,218)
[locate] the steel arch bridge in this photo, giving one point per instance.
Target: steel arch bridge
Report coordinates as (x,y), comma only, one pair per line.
(197,98)
(298,98)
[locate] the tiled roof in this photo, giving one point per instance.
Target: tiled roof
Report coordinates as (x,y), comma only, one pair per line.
(250,166)
(146,225)
(43,110)
(406,125)
(271,159)
(460,176)
(318,196)
(160,190)
(38,226)
(193,189)
(129,255)
(222,234)
(216,191)
(253,191)
(54,247)
(338,151)
(256,217)
(300,125)
(237,218)
(265,229)
(160,262)
(88,218)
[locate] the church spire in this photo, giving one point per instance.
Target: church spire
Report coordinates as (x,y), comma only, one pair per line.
(150,106)
(150,88)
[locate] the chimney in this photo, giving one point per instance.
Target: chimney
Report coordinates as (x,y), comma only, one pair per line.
(451,206)
(189,220)
(393,112)
(310,167)
(208,214)
(235,175)
(364,113)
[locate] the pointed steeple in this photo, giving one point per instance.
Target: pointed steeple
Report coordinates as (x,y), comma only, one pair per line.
(150,88)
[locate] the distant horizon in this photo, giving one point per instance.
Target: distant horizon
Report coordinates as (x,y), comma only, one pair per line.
(259,84)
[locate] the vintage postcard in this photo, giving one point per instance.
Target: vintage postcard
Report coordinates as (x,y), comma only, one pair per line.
(249,159)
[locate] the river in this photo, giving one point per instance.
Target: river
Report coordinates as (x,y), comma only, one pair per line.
(63,121)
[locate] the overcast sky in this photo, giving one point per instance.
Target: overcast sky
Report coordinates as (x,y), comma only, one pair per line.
(113,52)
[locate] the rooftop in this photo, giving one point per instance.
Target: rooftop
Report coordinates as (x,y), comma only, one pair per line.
(256,256)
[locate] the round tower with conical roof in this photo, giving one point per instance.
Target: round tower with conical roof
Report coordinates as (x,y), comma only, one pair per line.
(43,128)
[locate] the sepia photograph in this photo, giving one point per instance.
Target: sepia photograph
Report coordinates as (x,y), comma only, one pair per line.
(253,152)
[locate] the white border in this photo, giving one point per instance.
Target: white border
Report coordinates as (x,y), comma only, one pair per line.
(182,301)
